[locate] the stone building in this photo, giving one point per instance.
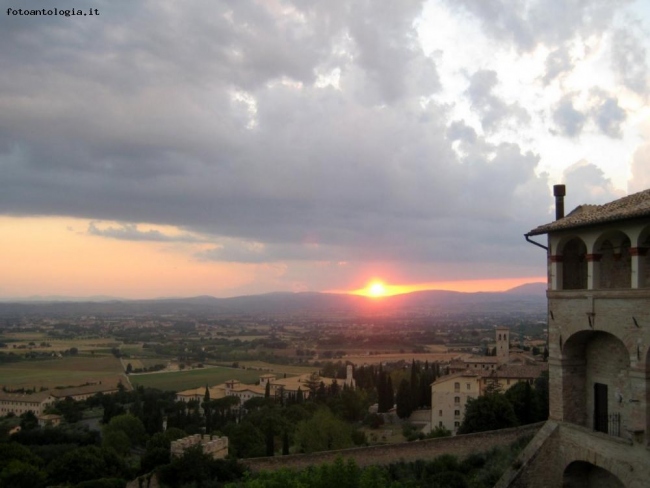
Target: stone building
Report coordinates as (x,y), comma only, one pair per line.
(599,349)
(20,403)
(449,395)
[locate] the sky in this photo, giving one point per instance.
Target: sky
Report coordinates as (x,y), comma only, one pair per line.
(226,148)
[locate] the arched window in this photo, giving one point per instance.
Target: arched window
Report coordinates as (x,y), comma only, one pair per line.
(574,265)
(600,363)
(615,263)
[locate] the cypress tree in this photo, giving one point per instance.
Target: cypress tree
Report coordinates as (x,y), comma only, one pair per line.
(415,386)
(381,392)
(403,400)
(390,394)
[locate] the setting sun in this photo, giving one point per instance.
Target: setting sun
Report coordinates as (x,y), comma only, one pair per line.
(376,289)
(379,289)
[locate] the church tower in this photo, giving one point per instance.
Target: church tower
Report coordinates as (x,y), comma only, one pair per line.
(503,344)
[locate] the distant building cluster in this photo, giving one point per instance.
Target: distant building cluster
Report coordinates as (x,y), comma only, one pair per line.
(278,387)
(214,446)
(20,403)
(474,376)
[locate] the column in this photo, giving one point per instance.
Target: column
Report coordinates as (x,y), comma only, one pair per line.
(556,272)
(593,271)
(638,255)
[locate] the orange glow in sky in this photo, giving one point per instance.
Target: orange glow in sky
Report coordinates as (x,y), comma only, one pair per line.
(377,288)
(59,256)
(56,256)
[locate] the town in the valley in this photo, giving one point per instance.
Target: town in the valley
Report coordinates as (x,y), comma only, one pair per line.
(243,386)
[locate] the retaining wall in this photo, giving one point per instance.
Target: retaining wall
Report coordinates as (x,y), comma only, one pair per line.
(460,445)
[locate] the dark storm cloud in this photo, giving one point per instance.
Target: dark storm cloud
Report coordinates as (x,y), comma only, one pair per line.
(130,232)
(214,117)
(385,40)
(569,120)
(493,111)
(604,112)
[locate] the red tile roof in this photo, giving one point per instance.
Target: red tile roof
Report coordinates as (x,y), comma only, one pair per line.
(632,206)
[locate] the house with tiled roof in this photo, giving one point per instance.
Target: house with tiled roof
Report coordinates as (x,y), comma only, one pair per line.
(198,394)
(20,403)
(84,392)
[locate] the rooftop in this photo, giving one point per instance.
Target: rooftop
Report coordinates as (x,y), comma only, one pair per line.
(216,392)
(25,397)
(629,207)
(108,387)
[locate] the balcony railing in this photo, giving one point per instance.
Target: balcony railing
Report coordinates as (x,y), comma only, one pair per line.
(608,424)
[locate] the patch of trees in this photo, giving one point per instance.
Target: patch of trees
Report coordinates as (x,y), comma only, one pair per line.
(133,441)
(522,404)
(71,410)
(414,390)
(156,367)
(275,343)
(184,327)
(23,391)
(11,357)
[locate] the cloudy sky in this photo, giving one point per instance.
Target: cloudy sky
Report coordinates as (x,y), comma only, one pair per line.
(166,148)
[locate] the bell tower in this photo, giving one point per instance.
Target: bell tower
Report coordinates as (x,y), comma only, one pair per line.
(503,344)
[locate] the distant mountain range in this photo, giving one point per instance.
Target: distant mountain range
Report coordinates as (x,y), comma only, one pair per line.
(529,289)
(529,298)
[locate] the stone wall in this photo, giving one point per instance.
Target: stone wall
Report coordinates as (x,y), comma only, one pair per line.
(557,445)
(460,445)
(583,352)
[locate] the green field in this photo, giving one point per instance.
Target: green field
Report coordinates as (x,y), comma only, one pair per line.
(19,343)
(67,371)
(184,380)
(277,369)
(138,351)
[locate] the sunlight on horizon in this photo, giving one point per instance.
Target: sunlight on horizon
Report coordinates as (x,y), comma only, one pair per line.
(379,289)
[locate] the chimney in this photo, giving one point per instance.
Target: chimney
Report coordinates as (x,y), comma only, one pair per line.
(558,192)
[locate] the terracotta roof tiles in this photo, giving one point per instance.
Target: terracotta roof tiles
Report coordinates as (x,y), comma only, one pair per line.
(629,207)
